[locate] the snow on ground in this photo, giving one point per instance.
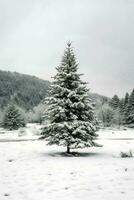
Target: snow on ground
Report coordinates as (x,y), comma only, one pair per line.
(31,170)
(31,131)
(123,133)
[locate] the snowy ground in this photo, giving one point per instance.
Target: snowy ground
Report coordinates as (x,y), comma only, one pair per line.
(30,132)
(31,170)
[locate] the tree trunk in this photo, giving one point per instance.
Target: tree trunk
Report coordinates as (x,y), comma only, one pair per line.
(68,149)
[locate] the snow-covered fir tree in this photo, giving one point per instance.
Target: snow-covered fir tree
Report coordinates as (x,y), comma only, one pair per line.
(12,118)
(70,112)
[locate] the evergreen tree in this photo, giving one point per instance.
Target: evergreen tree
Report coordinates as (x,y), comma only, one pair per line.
(70,112)
(114,103)
(126,108)
(119,112)
(126,100)
(121,105)
(12,118)
(130,110)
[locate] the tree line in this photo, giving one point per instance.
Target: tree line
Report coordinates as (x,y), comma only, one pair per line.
(109,112)
(117,111)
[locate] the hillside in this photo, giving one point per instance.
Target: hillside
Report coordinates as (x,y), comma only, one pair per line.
(24,90)
(98,99)
(27,91)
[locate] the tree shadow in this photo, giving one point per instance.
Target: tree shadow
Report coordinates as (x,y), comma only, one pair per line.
(72,154)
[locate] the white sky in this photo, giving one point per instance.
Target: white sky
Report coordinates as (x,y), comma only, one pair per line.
(33,35)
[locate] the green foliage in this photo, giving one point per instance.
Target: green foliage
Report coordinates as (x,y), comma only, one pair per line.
(12,118)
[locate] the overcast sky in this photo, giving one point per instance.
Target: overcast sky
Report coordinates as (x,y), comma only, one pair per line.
(33,35)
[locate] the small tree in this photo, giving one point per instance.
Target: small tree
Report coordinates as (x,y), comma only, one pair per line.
(70,112)
(12,118)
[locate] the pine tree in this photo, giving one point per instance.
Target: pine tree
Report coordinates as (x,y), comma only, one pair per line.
(114,103)
(130,110)
(119,113)
(125,108)
(70,112)
(12,118)
(126,100)
(121,105)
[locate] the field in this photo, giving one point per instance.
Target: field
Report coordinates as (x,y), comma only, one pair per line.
(31,170)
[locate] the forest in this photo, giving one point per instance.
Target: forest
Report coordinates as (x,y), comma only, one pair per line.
(27,94)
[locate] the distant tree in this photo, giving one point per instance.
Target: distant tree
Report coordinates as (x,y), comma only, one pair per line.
(125,108)
(70,112)
(121,106)
(130,110)
(119,113)
(12,118)
(126,100)
(114,103)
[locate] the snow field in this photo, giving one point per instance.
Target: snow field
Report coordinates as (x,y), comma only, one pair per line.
(31,170)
